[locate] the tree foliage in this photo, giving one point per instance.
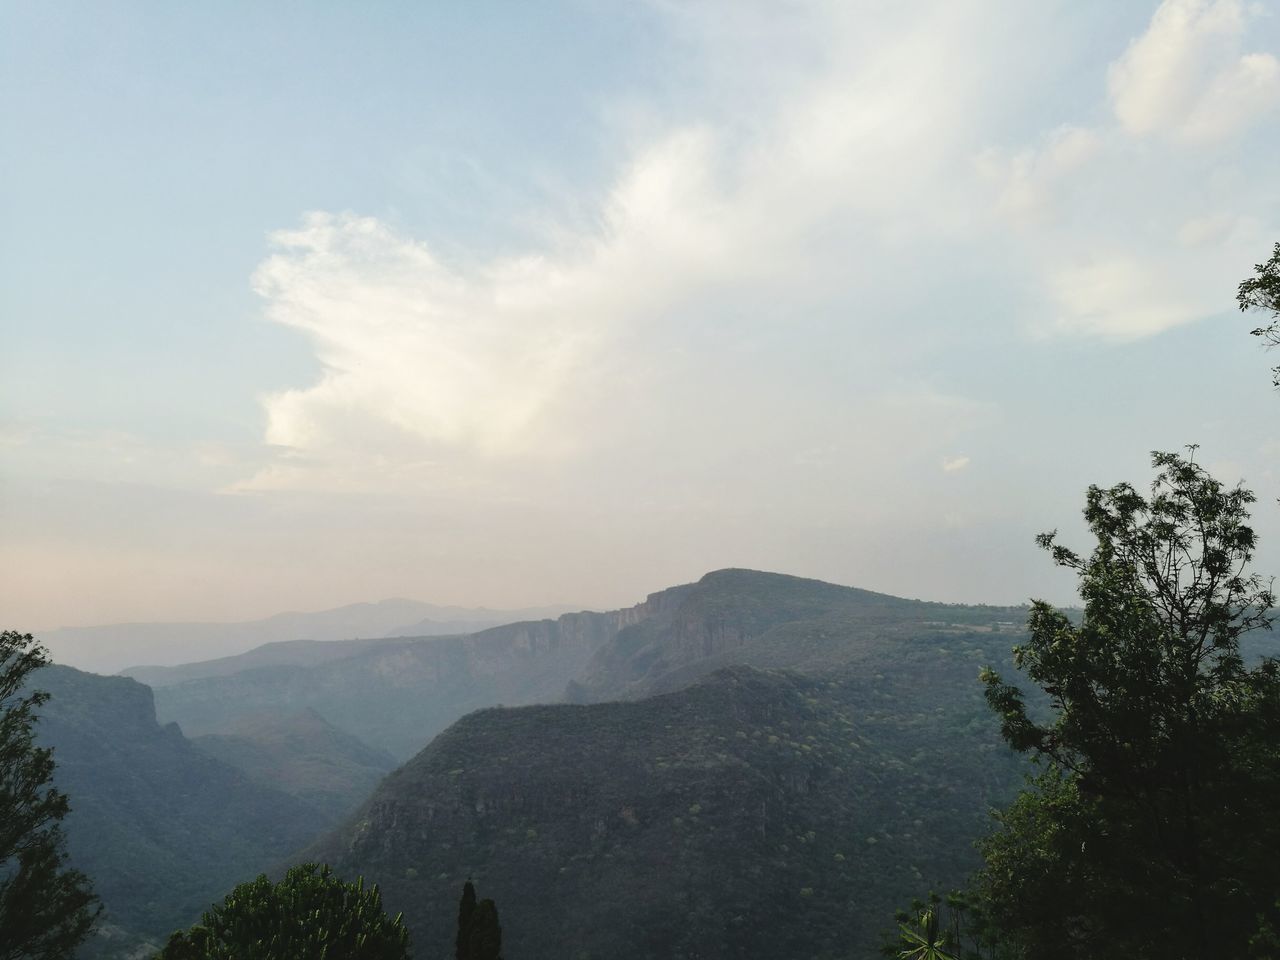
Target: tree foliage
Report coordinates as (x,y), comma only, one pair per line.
(479,933)
(309,915)
(1150,829)
(46,908)
(1261,292)
(466,910)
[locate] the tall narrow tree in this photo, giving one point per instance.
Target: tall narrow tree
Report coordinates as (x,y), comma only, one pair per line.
(484,935)
(466,910)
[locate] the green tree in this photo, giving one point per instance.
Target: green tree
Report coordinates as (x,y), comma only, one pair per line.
(484,934)
(1261,292)
(46,908)
(1150,829)
(950,929)
(466,910)
(309,915)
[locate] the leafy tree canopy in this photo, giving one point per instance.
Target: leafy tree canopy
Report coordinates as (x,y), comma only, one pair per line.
(309,915)
(1262,292)
(1150,829)
(46,909)
(479,933)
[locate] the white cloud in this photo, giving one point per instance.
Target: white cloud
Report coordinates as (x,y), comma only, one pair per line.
(1117,298)
(845,185)
(954,464)
(1029,180)
(1132,229)
(1186,75)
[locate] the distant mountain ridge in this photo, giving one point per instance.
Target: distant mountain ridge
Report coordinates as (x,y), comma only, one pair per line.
(776,621)
(112,648)
(397,694)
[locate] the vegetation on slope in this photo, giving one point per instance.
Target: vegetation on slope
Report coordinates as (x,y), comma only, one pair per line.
(754,812)
(304,756)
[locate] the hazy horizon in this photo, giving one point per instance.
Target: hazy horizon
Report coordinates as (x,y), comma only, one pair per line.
(529,305)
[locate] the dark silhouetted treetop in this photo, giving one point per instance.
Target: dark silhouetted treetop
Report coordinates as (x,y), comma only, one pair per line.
(46,909)
(479,934)
(466,909)
(309,915)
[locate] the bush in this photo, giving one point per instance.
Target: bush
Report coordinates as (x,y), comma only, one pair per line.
(309,915)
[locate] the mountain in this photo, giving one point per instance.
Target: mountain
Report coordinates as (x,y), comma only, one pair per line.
(304,756)
(396,694)
(772,620)
(282,653)
(751,814)
(161,828)
(114,648)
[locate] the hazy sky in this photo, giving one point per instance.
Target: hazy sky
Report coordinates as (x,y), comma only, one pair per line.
(516,303)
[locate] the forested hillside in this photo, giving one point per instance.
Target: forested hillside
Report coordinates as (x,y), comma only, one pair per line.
(755,813)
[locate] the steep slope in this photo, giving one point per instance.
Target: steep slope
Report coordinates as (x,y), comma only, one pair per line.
(304,756)
(753,814)
(397,694)
(161,828)
(776,621)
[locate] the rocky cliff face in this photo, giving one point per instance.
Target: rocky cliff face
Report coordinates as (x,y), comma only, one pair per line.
(753,814)
(397,694)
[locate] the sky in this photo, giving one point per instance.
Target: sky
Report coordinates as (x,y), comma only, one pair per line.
(514,304)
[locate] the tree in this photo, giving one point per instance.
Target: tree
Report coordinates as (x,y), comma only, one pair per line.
(466,909)
(1262,292)
(952,929)
(484,935)
(1150,829)
(46,908)
(309,915)
(479,933)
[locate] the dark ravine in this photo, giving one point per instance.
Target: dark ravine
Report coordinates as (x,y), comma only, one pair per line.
(304,756)
(161,828)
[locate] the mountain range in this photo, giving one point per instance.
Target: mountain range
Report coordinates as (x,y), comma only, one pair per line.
(114,648)
(749,761)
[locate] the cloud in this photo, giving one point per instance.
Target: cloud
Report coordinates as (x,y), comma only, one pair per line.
(954,464)
(1186,77)
(737,229)
(1028,180)
(1118,298)
(1132,228)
